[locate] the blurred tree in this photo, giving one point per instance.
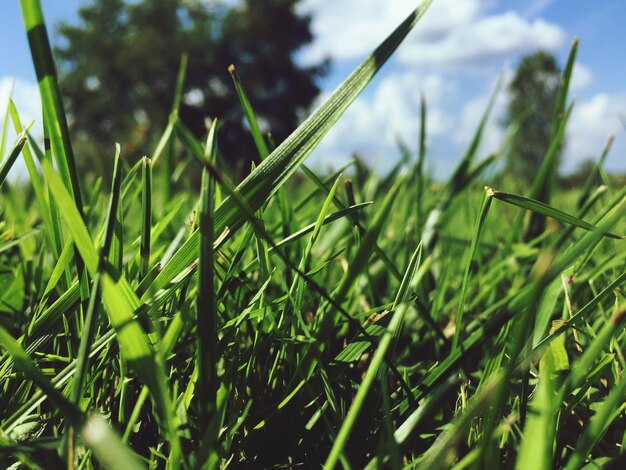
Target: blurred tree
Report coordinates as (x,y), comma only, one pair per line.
(118,69)
(533,92)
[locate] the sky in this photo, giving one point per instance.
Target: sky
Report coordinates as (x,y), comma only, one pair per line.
(454,56)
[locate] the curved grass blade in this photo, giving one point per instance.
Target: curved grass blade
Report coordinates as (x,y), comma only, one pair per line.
(35,181)
(257,135)
(547,210)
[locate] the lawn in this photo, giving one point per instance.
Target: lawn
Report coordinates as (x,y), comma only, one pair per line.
(300,320)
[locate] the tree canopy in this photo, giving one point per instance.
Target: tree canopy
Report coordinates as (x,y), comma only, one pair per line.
(533,91)
(118,68)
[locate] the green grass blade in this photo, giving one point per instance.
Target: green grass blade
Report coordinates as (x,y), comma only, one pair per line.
(207,356)
(259,141)
(146,220)
(51,100)
(8,162)
(35,180)
(480,225)
(538,437)
(419,167)
(566,78)
(594,177)
(547,210)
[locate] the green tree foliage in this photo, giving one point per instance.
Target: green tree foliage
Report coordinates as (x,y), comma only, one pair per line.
(118,68)
(533,93)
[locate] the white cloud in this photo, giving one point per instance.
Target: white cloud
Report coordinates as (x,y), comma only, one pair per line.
(25,95)
(483,40)
(582,77)
(452,33)
(537,7)
(351,28)
(590,124)
(374,123)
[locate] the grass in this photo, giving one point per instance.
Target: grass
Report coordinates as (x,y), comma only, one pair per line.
(305,320)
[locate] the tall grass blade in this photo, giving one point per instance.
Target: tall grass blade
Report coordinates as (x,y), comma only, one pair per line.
(480,225)
(207,356)
(146,220)
(8,162)
(51,100)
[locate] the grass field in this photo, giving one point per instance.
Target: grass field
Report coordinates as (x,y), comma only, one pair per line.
(298,320)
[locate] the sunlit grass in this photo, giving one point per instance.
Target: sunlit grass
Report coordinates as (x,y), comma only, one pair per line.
(301,320)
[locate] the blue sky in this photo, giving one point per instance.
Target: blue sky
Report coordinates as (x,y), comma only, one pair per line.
(454,57)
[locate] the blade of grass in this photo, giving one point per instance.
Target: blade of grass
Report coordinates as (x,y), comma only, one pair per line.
(52,102)
(146,221)
(538,437)
(547,210)
(257,135)
(207,356)
(8,162)
(480,225)
(35,181)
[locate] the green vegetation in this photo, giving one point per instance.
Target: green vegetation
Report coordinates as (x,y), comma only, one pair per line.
(305,320)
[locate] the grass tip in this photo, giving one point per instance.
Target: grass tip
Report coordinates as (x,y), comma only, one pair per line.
(490,191)
(231,69)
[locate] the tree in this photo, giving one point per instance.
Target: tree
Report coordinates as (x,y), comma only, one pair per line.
(118,70)
(533,91)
